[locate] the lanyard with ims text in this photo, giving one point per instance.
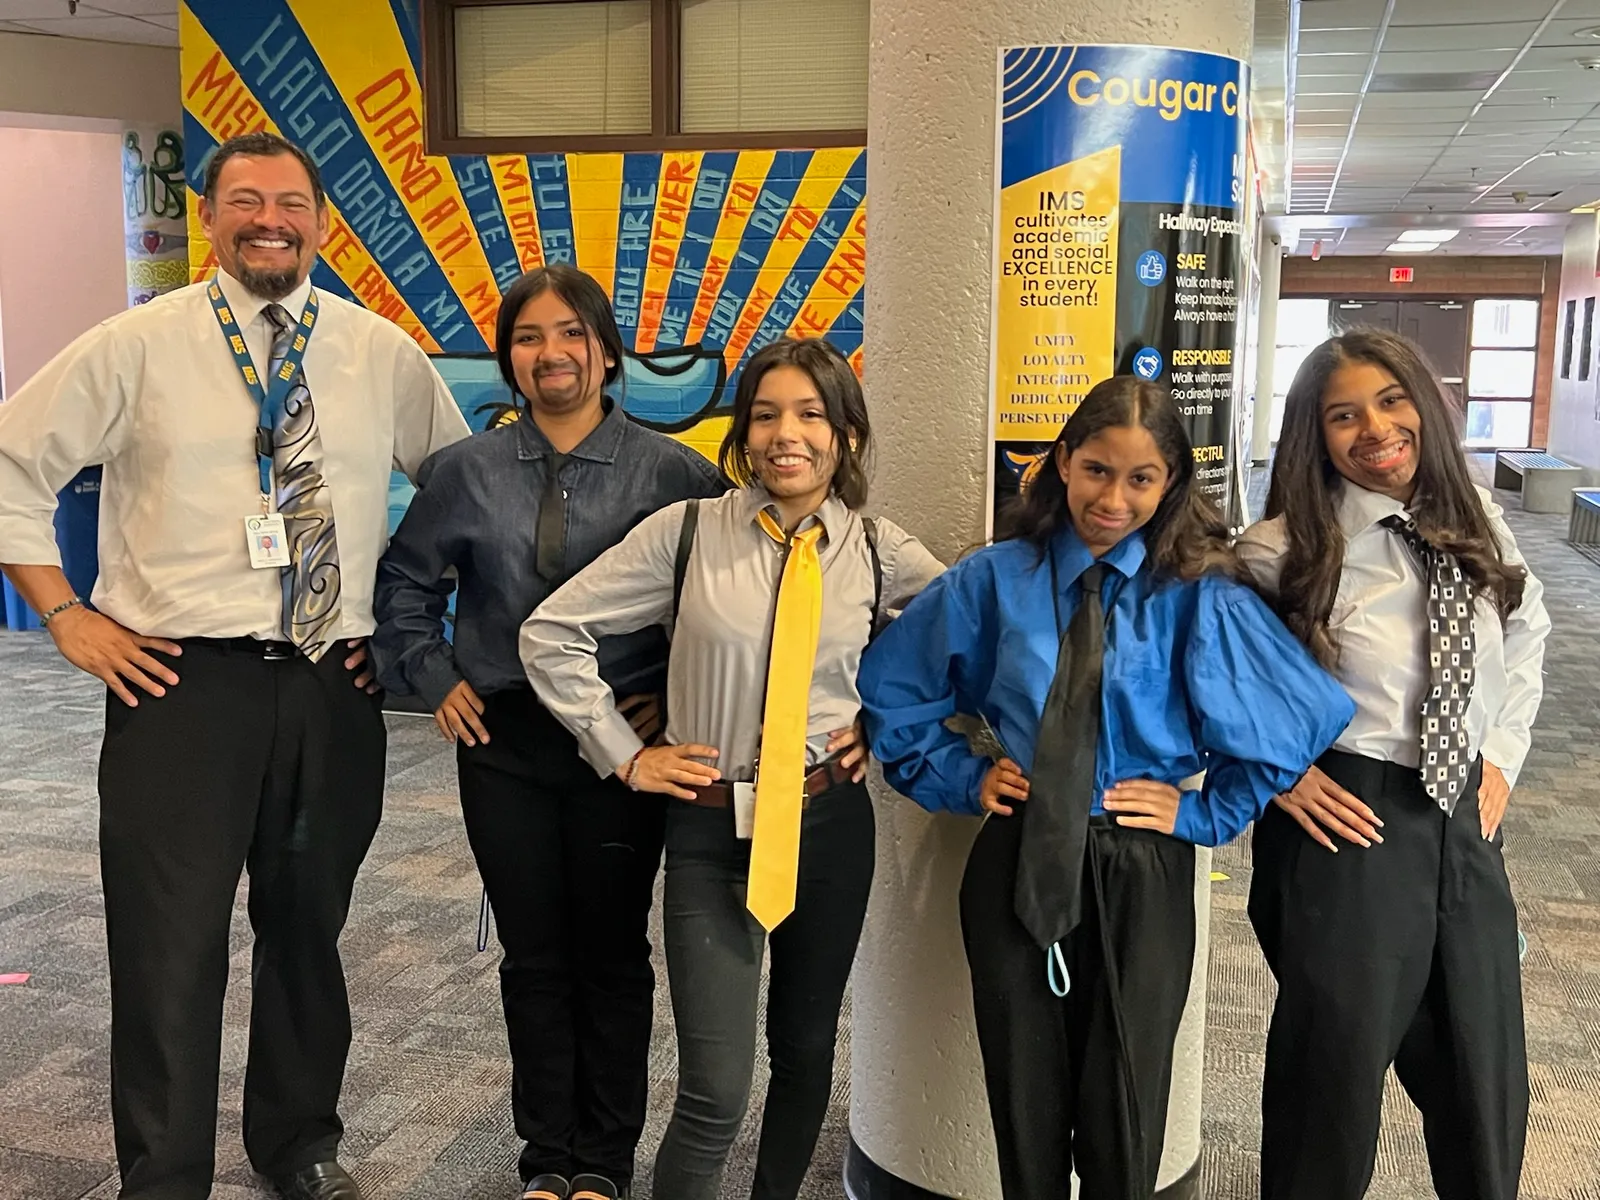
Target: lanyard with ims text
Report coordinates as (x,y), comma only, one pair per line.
(269,400)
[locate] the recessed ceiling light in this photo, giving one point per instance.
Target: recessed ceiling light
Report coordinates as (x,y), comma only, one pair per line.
(1590,32)
(1430,236)
(1589,64)
(1410,248)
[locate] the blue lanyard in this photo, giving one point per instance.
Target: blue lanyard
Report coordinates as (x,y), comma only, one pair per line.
(269,403)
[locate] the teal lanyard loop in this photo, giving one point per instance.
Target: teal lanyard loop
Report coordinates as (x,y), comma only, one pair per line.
(1055,961)
(269,400)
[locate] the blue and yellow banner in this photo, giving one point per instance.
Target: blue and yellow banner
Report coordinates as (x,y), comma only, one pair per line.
(708,255)
(1120,243)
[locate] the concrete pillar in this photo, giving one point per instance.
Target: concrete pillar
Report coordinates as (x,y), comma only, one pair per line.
(1266,348)
(919,1116)
(154,206)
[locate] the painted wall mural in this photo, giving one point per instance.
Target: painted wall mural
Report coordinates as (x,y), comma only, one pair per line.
(707,255)
(155,201)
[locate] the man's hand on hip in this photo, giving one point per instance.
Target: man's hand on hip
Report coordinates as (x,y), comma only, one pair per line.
(96,644)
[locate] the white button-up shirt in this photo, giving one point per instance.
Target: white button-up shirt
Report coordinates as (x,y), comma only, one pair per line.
(155,395)
(1379,622)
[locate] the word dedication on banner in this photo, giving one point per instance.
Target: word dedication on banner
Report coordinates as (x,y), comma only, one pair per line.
(1120,231)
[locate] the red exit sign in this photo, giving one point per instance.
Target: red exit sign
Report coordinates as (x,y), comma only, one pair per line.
(1402,274)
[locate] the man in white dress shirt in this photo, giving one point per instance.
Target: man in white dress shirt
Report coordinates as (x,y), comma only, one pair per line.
(248,429)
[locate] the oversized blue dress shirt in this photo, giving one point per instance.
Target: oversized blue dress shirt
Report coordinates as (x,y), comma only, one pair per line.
(1197,676)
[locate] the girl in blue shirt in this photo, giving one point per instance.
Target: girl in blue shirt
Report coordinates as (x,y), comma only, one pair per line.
(1108,648)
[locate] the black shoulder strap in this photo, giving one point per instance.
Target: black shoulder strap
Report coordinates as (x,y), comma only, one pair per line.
(870,528)
(680,568)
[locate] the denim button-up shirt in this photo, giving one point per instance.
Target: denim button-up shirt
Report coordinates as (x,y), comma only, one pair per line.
(476,511)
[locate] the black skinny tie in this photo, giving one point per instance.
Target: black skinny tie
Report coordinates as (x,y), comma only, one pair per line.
(551,555)
(1055,819)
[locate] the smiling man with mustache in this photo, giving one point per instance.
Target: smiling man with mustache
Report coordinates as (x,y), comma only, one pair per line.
(248,427)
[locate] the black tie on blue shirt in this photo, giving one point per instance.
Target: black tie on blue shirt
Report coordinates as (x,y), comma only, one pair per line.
(550,533)
(1055,818)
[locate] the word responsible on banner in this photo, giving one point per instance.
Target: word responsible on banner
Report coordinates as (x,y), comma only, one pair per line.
(1120,243)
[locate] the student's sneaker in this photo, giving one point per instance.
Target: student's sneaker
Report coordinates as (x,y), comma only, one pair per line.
(594,1187)
(546,1187)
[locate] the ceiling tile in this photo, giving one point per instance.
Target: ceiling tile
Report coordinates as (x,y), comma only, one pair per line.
(1581,10)
(138,8)
(1522,97)
(100,20)
(1441,62)
(1465,12)
(28,10)
(1337,41)
(1562,58)
(1572,116)
(1330,74)
(1499,120)
(1562,31)
(1340,14)
(1331,94)
(1503,36)
(1455,103)
(104,29)
(1380,124)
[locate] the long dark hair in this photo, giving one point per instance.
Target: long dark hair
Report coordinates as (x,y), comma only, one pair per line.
(1305,487)
(1186,537)
(840,393)
(579,292)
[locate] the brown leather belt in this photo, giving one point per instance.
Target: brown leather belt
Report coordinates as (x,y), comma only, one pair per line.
(829,775)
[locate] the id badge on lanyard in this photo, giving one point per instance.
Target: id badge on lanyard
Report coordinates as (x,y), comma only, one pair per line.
(265,535)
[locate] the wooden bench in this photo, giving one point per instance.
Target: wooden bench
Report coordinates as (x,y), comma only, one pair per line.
(1583,530)
(1545,481)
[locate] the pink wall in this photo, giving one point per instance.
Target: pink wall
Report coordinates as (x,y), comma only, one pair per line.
(63,265)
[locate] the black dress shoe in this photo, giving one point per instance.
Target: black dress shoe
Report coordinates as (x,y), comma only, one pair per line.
(546,1187)
(324,1181)
(594,1187)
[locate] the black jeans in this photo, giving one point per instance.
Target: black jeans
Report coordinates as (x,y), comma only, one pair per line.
(569,861)
(274,766)
(1403,953)
(714,952)
(1081,1082)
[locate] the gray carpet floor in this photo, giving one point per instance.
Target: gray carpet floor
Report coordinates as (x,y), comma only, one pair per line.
(425,1099)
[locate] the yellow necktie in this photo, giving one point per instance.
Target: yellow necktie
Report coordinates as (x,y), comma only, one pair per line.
(780,783)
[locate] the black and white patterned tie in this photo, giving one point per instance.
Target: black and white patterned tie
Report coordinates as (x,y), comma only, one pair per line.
(1446,759)
(311,582)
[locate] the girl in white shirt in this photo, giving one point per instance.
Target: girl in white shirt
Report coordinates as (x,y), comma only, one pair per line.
(1379,893)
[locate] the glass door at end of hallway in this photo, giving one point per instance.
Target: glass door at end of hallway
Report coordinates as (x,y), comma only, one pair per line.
(1482,351)
(1438,327)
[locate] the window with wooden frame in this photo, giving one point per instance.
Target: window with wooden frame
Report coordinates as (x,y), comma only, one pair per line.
(536,76)
(1501,367)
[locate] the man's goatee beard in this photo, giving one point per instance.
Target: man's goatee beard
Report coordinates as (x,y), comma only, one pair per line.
(269,285)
